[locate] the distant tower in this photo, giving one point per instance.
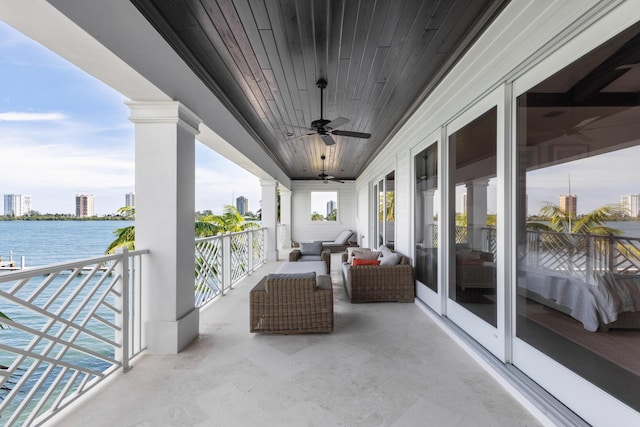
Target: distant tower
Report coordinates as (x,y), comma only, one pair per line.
(331,206)
(130,199)
(242,204)
(14,204)
(84,205)
(568,203)
(631,202)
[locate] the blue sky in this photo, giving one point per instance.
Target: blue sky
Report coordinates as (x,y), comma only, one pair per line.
(63,132)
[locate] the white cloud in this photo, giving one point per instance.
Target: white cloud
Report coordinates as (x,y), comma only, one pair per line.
(16,116)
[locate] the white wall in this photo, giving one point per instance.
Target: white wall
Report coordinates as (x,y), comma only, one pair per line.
(305,230)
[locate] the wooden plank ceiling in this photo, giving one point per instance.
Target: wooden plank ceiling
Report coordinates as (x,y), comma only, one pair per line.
(263,58)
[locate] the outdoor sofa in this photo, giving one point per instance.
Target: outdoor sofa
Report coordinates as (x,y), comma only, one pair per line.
(378,283)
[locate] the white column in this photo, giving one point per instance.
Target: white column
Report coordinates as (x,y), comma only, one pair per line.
(285,215)
(165,203)
(476,211)
(270,217)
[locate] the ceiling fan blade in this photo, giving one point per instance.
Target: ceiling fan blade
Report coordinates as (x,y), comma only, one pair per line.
(299,136)
(328,140)
(335,180)
(352,134)
(281,125)
(336,123)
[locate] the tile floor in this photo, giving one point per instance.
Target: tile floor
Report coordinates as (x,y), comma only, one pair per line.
(385,364)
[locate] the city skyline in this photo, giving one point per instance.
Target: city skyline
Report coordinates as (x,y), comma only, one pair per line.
(62,132)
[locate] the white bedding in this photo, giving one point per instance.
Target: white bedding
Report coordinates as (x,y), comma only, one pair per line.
(591,304)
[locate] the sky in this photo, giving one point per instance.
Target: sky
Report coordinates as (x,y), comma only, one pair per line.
(62,133)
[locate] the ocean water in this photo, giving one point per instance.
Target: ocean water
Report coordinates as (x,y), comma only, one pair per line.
(51,242)
(45,243)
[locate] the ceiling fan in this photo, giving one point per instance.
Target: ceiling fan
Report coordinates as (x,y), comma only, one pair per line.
(325,128)
(326,178)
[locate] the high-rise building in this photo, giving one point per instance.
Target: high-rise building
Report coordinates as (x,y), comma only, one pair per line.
(130,199)
(16,204)
(84,205)
(242,204)
(463,203)
(631,202)
(331,206)
(568,203)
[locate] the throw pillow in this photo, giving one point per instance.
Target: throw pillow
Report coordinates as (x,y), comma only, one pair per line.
(384,251)
(392,258)
(312,248)
(358,261)
(350,253)
(365,254)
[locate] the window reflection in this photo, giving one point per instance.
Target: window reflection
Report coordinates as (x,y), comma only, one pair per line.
(427,201)
(578,282)
(472,152)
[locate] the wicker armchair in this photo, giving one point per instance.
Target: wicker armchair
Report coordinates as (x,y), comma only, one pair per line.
(377,283)
(291,304)
(296,255)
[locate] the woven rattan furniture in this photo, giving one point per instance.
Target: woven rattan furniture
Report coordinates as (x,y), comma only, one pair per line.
(291,304)
(378,283)
(325,255)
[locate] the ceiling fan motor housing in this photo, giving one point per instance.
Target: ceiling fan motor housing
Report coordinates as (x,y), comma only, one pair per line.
(320,124)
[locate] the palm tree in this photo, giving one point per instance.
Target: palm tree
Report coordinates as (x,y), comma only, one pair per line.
(3,316)
(561,221)
(208,225)
(125,236)
(567,236)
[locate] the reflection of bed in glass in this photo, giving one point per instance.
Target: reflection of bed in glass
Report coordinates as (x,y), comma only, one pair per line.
(612,301)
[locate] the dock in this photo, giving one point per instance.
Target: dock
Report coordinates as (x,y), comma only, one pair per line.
(11,265)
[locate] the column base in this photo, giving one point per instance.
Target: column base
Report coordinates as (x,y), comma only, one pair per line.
(173,336)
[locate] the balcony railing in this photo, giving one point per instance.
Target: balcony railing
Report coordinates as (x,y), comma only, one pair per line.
(582,255)
(224,260)
(71,325)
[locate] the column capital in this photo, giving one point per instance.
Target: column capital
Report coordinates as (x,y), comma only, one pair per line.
(268,183)
(156,112)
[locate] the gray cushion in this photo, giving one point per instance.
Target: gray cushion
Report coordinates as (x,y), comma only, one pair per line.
(385,250)
(312,248)
(391,258)
(310,258)
(309,275)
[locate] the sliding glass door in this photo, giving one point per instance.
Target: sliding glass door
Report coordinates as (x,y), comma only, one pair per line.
(578,229)
(473,219)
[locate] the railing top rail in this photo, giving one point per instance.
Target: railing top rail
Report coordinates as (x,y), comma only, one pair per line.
(219,236)
(67,265)
(603,236)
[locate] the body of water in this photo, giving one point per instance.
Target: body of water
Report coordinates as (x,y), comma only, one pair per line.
(52,242)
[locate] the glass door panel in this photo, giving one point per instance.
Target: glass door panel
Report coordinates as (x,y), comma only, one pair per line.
(473,182)
(427,205)
(578,233)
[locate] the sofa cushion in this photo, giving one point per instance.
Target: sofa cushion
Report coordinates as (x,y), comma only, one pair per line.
(365,254)
(350,253)
(311,248)
(358,261)
(392,258)
(307,275)
(310,258)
